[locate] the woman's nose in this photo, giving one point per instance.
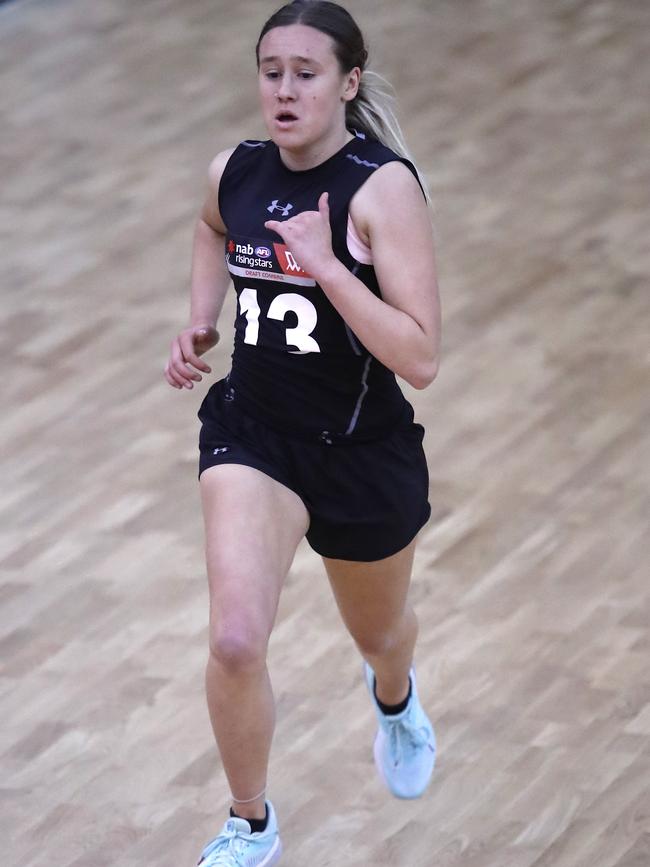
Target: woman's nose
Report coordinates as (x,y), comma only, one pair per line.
(285,90)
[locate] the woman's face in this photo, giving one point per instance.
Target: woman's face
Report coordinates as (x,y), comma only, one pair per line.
(302,89)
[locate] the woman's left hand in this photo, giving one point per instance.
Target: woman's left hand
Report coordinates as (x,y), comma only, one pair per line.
(309,237)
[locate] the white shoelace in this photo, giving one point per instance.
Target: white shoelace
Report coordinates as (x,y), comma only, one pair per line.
(228,846)
(405,740)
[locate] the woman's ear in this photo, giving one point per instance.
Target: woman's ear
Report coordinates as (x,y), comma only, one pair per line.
(352,81)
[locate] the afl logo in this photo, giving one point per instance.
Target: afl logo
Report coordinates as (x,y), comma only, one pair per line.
(263,252)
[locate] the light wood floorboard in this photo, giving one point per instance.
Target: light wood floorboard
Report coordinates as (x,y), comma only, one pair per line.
(532,587)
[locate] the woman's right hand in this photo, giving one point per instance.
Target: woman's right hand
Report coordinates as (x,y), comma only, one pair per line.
(184,362)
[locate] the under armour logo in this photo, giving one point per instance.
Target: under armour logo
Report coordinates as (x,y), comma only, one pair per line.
(220,451)
(274,206)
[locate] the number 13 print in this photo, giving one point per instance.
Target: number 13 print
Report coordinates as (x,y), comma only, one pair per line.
(280,306)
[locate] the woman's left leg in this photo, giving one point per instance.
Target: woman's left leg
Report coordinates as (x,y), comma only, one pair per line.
(373,601)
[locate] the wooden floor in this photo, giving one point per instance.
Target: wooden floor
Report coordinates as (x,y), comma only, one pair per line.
(532,581)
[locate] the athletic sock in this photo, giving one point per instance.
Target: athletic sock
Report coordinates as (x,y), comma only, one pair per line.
(393,709)
(257,825)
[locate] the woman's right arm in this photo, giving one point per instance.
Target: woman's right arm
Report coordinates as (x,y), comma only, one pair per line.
(209,284)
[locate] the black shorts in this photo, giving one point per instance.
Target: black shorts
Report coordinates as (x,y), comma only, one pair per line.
(366,500)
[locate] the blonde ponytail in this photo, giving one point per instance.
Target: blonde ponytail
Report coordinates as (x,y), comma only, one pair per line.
(372,112)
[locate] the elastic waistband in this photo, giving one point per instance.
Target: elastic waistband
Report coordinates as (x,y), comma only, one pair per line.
(224,394)
(322,437)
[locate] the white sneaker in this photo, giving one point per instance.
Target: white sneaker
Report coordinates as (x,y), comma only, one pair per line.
(405,745)
(237,846)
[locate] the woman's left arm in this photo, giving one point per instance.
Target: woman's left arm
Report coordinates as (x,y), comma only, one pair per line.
(402,328)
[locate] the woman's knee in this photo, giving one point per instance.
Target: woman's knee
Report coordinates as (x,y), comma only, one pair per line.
(242,613)
(381,641)
(376,644)
(238,647)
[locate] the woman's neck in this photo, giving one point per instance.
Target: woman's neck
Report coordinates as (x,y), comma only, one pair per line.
(301,159)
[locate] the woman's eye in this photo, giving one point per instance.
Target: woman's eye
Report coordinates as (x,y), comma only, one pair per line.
(272,75)
(306,75)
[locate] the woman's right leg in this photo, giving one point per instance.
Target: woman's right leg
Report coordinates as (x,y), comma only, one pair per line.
(253,525)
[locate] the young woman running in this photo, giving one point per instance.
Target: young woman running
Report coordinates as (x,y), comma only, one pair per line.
(325,233)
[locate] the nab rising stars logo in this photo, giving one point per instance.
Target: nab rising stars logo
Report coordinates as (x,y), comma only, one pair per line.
(284,209)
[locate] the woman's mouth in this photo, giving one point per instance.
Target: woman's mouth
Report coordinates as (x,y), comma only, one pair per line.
(285,118)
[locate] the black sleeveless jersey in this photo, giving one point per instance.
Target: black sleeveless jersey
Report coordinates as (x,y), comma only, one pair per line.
(296,365)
